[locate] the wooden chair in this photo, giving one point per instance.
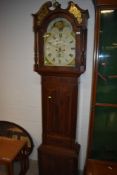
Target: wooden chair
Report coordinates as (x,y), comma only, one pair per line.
(16,145)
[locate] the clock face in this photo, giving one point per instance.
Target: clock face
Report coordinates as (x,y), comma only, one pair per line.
(59,43)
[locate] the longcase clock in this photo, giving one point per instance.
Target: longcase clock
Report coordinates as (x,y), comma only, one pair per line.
(60,58)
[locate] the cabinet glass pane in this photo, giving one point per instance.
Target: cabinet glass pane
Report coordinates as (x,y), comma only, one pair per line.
(107,61)
(104,145)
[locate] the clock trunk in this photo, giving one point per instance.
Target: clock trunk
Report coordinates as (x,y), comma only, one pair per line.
(58,154)
(59,99)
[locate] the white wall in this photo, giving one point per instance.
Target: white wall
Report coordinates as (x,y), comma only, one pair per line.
(85,85)
(20,88)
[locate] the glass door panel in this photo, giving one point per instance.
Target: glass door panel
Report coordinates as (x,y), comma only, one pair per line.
(107,61)
(104,146)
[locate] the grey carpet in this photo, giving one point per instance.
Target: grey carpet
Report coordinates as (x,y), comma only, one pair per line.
(33,169)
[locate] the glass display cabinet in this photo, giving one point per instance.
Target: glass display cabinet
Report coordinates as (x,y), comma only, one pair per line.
(102,143)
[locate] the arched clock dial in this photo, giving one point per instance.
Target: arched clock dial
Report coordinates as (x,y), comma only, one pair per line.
(59,44)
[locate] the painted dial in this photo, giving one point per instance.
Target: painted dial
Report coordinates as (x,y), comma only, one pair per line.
(59,44)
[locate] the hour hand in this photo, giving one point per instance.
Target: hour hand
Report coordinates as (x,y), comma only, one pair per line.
(51,43)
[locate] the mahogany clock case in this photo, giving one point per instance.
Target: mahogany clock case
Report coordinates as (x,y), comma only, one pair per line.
(59,65)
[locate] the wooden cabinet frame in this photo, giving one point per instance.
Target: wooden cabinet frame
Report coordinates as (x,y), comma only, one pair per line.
(98,165)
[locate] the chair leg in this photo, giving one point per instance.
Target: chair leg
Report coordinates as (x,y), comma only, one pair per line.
(24,162)
(10,168)
(23,168)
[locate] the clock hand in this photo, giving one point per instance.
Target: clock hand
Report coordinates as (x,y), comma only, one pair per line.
(53,45)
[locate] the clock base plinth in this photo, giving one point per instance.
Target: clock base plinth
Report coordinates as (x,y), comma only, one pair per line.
(55,160)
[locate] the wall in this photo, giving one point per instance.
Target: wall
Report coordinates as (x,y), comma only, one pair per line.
(20,89)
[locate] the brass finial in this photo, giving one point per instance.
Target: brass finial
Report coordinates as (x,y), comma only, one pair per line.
(55,4)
